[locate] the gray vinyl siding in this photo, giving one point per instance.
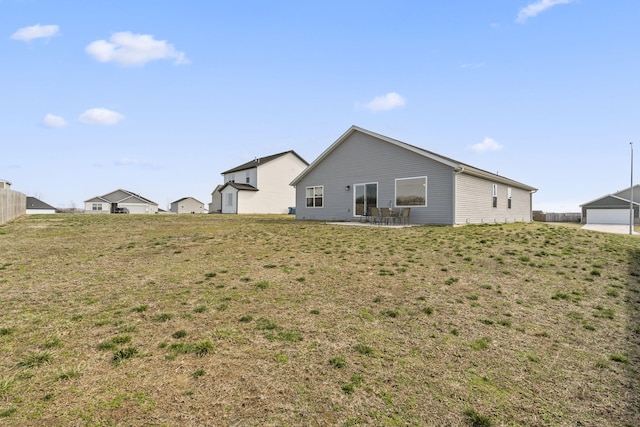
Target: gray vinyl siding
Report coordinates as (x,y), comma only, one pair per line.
(364,159)
(474,202)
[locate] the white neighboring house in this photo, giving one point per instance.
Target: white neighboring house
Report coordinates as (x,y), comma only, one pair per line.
(187,205)
(216,200)
(37,206)
(260,186)
(120,201)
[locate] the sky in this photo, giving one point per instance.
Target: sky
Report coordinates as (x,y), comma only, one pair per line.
(160,97)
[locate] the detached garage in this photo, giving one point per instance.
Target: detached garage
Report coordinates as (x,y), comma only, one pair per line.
(612,208)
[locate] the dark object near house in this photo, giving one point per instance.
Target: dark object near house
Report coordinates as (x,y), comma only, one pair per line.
(121,210)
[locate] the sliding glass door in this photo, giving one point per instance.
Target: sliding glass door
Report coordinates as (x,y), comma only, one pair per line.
(366,196)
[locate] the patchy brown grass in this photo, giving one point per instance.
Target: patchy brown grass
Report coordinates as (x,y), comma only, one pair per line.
(247,321)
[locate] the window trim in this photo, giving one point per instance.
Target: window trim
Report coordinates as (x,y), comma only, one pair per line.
(494,195)
(366,207)
(426,186)
(314,197)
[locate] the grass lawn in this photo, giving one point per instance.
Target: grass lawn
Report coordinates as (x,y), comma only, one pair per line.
(212,320)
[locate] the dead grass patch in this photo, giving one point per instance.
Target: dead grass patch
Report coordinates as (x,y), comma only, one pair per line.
(262,320)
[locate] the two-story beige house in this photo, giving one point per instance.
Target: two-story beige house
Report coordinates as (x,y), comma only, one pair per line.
(260,186)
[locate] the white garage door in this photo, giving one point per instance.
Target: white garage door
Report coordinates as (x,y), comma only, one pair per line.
(608,216)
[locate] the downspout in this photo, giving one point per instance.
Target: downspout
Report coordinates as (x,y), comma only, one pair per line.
(531,204)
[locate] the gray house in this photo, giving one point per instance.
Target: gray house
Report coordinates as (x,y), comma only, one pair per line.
(37,206)
(120,201)
(613,208)
(362,170)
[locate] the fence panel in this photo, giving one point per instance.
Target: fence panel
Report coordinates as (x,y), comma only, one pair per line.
(12,205)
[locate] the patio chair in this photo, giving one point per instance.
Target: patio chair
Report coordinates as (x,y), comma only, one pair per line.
(374,215)
(404,216)
(386,216)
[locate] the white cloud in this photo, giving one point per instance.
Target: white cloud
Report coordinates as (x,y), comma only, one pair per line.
(126,48)
(487,144)
(100,116)
(539,6)
(37,31)
(53,121)
(386,102)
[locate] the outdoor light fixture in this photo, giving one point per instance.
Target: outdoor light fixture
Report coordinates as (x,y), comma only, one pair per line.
(347,188)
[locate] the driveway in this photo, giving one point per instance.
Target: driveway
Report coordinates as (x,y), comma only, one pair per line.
(609,228)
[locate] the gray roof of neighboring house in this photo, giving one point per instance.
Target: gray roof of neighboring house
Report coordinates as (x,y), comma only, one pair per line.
(262,160)
(458,166)
(118,196)
(238,186)
(34,203)
(617,198)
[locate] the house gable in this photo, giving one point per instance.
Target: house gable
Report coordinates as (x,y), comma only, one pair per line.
(458,166)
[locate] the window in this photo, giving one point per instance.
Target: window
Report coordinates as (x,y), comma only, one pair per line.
(494,195)
(411,191)
(315,196)
(96,207)
(509,197)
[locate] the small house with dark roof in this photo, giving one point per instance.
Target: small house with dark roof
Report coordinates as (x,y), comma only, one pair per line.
(260,186)
(37,206)
(120,202)
(187,205)
(363,170)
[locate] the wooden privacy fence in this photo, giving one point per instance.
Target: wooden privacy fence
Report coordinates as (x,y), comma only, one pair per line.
(12,205)
(557,216)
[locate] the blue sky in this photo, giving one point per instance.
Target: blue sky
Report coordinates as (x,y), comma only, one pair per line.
(160,97)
